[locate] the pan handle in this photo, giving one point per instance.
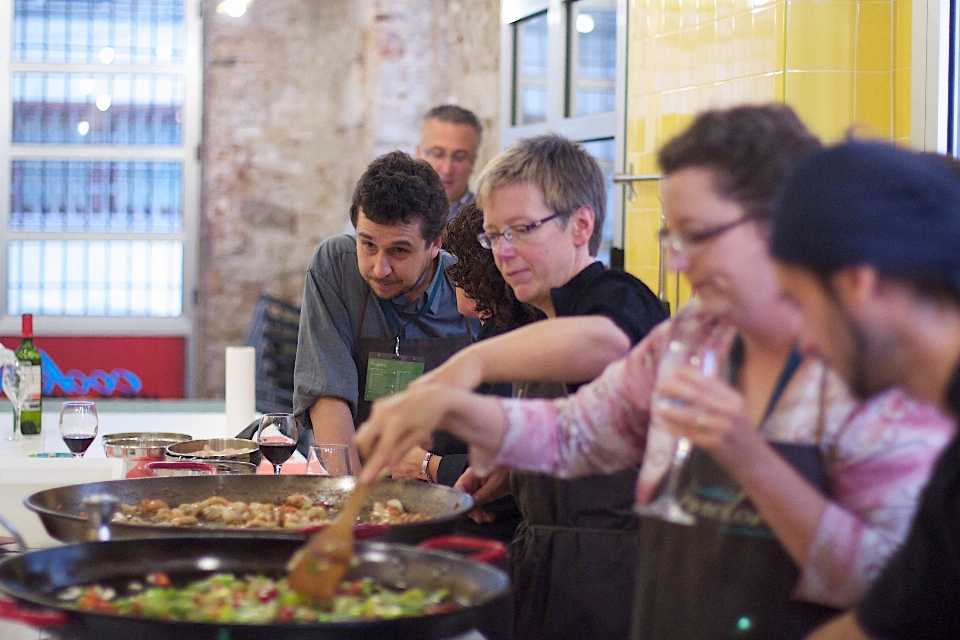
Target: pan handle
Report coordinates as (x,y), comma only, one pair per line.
(361,530)
(483,549)
(21,544)
(32,617)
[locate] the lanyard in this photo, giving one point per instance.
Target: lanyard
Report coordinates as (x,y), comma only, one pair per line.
(789,368)
(394,319)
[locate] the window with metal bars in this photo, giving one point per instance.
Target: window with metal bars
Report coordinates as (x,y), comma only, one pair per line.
(561,76)
(98,200)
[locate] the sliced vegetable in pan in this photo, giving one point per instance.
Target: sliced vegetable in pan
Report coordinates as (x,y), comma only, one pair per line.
(224,598)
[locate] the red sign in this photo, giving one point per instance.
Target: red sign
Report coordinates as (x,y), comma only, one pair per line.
(113,367)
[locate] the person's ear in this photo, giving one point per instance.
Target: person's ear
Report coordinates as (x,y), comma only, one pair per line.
(856,286)
(582,221)
(435,247)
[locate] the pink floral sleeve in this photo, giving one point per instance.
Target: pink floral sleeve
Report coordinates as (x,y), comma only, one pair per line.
(878,459)
(600,429)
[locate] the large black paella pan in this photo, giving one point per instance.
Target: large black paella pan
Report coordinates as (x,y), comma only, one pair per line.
(33,579)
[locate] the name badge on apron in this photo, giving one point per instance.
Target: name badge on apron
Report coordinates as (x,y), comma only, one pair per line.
(390,373)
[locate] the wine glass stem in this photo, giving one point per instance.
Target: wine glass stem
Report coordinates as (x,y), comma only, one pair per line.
(679,457)
(16,423)
(276,469)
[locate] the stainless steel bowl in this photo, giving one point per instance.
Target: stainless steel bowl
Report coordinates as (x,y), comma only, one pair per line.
(241,450)
(170,468)
(140,445)
(232,466)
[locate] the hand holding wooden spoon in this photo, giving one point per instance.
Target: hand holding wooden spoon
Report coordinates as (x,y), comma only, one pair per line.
(317,569)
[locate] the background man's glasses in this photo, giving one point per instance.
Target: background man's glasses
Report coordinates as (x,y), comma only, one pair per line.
(457,157)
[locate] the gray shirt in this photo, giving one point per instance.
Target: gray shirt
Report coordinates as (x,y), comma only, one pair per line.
(332,297)
(455,206)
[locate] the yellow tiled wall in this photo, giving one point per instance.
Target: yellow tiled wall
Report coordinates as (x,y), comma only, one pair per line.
(839,63)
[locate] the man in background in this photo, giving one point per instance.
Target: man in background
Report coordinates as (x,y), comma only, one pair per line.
(867,237)
(449,140)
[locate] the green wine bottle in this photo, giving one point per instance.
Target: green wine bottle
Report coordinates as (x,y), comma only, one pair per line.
(28,355)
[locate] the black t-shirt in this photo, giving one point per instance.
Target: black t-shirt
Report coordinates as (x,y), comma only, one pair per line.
(918,593)
(598,291)
(616,294)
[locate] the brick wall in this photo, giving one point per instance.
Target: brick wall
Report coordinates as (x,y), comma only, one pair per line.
(299,96)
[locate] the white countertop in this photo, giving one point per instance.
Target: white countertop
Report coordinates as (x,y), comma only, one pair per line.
(199,419)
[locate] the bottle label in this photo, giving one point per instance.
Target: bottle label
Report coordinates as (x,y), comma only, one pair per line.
(33,382)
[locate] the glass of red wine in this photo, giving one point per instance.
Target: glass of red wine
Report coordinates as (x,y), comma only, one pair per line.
(277,438)
(78,425)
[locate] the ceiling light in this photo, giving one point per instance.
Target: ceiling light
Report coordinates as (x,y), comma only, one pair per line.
(234,8)
(585,23)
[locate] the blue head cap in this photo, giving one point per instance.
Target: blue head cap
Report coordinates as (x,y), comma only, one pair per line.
(870,203)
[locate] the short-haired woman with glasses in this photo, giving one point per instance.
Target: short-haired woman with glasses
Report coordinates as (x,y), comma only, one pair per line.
(544,201)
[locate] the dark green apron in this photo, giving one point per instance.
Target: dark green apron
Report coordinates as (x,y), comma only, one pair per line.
(434,351)
(575,551)
(725,576)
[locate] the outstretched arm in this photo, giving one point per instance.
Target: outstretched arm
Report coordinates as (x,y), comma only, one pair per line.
(569,349)
(405,420)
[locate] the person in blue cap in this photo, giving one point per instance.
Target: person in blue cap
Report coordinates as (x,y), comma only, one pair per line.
(867,239)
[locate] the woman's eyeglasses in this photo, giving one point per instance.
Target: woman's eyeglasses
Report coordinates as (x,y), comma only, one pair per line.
(684,241)
(517,234)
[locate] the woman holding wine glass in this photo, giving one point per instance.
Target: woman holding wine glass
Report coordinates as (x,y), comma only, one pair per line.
(796,493)
(277,437)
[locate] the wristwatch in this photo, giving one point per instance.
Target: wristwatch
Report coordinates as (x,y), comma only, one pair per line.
(423,467)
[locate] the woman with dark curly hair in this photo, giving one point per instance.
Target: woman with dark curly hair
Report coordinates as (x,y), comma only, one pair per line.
(481,290)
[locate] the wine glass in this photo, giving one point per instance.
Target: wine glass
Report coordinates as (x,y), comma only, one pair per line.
(277,437)
(699,340)
(329,460)
(666,506)
(78,425)
(13,377)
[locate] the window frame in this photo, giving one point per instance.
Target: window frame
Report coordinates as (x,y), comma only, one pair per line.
(610,124)
(187,153)
(932,116)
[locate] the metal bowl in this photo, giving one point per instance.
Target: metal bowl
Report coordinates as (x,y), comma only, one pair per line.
(140,445)
(232,467)
(241,450)
(169,468)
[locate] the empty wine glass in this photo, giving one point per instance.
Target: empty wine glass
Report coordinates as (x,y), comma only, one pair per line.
(697,340)
(329,460)
(667,506)
(277,437)
(78,425)
(13,376)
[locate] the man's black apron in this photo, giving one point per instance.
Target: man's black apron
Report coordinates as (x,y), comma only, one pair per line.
(434,351)
(574,552)
(726,576)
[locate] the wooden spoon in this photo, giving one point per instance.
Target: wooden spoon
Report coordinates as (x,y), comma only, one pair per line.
(318,567)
